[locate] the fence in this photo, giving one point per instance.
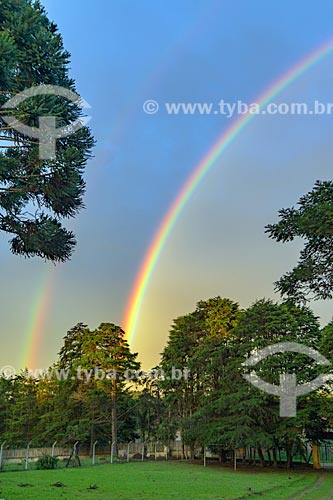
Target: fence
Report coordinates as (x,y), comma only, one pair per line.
(74,456)
(326,454)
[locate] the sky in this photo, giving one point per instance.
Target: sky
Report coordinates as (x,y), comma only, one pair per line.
(124,53)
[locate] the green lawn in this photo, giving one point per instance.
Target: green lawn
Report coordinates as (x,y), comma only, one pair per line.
(165,481)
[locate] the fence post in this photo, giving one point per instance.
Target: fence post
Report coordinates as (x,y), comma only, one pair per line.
(27,456)
(53,447)
(94,452)
(1,453)
(111,457)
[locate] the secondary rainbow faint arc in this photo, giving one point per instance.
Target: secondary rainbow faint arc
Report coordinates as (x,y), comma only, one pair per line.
(37,320)
(159,240)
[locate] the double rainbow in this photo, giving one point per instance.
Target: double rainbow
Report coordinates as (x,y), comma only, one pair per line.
(42,300)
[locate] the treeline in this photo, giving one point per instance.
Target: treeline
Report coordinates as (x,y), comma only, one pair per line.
(216,405)
(212,406)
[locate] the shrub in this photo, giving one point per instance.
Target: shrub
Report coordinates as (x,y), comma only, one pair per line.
(47,462)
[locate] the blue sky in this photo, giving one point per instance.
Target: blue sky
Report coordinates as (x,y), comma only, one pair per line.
(124,52)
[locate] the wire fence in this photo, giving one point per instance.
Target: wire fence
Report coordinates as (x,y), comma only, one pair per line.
(16,459)
(29,458)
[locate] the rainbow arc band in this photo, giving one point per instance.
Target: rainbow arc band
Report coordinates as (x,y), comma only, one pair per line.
(160,238)
(38,319)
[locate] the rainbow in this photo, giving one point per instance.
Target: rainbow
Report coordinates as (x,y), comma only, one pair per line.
(160,238)
(37,320)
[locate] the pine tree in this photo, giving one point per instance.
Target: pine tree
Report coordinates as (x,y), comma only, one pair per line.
(100,358)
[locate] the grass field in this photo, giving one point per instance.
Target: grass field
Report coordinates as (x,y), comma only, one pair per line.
(165,481)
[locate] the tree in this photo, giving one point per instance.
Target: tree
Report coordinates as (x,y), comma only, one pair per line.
(216,406)
(107,349)
(59,412)
(23,411)
(313,222)
(5,397)
(194,344)
(98,361)
(148,411)
(73,346)
(263,324)
(326,341)
(326,348)
(36,194)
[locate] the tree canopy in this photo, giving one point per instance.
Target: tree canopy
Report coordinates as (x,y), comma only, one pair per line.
(215,406)
(311,221)
(36,194)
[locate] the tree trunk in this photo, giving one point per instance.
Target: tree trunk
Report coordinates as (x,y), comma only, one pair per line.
(303,455)
(315,454)
(261,457)
(192,451)
(269,457)
(289,450)
(114,419)
(275,460)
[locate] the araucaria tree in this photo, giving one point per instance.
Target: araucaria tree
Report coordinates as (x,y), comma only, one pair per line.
(36,194)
